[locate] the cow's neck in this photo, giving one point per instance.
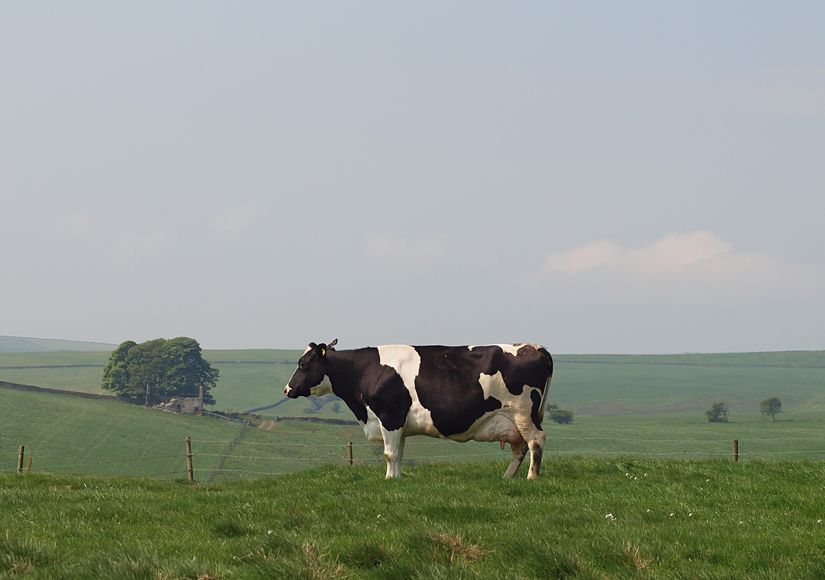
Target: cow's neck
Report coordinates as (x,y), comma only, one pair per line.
(343,373)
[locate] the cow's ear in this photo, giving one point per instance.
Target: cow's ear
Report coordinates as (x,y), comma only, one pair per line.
(312,345)
(322,348)
(332,344)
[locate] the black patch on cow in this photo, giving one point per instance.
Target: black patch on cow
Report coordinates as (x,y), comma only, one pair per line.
(535,413)
(447,385)
(359,378)
(528,367)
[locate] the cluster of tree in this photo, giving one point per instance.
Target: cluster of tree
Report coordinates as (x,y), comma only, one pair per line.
(557,415)
(718,413)
(158,370)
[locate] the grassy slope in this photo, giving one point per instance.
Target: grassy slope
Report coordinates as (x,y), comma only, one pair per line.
(75,435)
(20,344)
(587,517)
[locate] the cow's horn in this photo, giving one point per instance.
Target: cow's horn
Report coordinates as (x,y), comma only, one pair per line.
(333,343)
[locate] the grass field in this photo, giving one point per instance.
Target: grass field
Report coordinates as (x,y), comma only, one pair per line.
(646,406)
(601,385)
(66,434)
(590,518)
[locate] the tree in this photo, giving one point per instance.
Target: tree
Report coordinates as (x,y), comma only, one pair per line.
(157,370)
(116,371)
(772,407)
(559,416)
(718,413)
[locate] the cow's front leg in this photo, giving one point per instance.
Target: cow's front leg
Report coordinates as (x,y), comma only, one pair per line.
(393,451)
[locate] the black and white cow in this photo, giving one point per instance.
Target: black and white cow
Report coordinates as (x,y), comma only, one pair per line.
(484,393)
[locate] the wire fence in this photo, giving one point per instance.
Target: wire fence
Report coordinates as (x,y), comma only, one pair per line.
(246,458)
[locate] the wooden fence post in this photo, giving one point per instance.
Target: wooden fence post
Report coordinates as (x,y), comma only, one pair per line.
(736,450)
(20,455)
(349,452)
(29,463)
(190,470)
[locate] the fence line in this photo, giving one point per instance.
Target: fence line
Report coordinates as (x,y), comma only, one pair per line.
(437,441)
(234,461)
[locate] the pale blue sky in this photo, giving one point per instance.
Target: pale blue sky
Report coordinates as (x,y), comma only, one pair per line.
(598,177)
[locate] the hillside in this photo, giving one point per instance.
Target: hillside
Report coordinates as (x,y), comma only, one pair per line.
(598,385)
(592,518)
(9,344)
(644,406)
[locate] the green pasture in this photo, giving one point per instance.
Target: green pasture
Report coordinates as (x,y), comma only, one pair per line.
(645,406)
(600,385)
(588,518)
(68,434)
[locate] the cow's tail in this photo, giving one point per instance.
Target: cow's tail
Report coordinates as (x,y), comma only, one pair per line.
(546,391)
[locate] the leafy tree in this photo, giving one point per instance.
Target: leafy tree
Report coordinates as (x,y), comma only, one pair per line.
(770,407)
(718,413)
(187,370)
(559,416)
(158,370)
(116,371)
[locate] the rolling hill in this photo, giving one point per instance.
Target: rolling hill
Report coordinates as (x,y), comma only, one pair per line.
(642,406)
(25,344)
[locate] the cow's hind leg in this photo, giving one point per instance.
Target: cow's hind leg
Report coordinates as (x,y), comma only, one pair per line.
(519,452)
(536,444)
(393,451)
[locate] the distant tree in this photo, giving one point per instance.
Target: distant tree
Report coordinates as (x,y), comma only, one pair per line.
(187,371)
(116,371)
(718,413)
(158,370)
(559,416)
(770,407)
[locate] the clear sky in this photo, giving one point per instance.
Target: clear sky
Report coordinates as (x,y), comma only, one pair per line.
(595,176)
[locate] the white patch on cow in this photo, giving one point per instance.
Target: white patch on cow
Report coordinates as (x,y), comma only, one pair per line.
(508,348)
(508,423)
(372,428)
(406,362)
(511,348)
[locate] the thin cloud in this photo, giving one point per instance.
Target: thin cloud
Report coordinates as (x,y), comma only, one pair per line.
(77,224)
(150,243)
(392,249)
(234,221)
(698,260)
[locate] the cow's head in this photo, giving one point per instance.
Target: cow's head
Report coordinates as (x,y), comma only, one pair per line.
(309,378)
